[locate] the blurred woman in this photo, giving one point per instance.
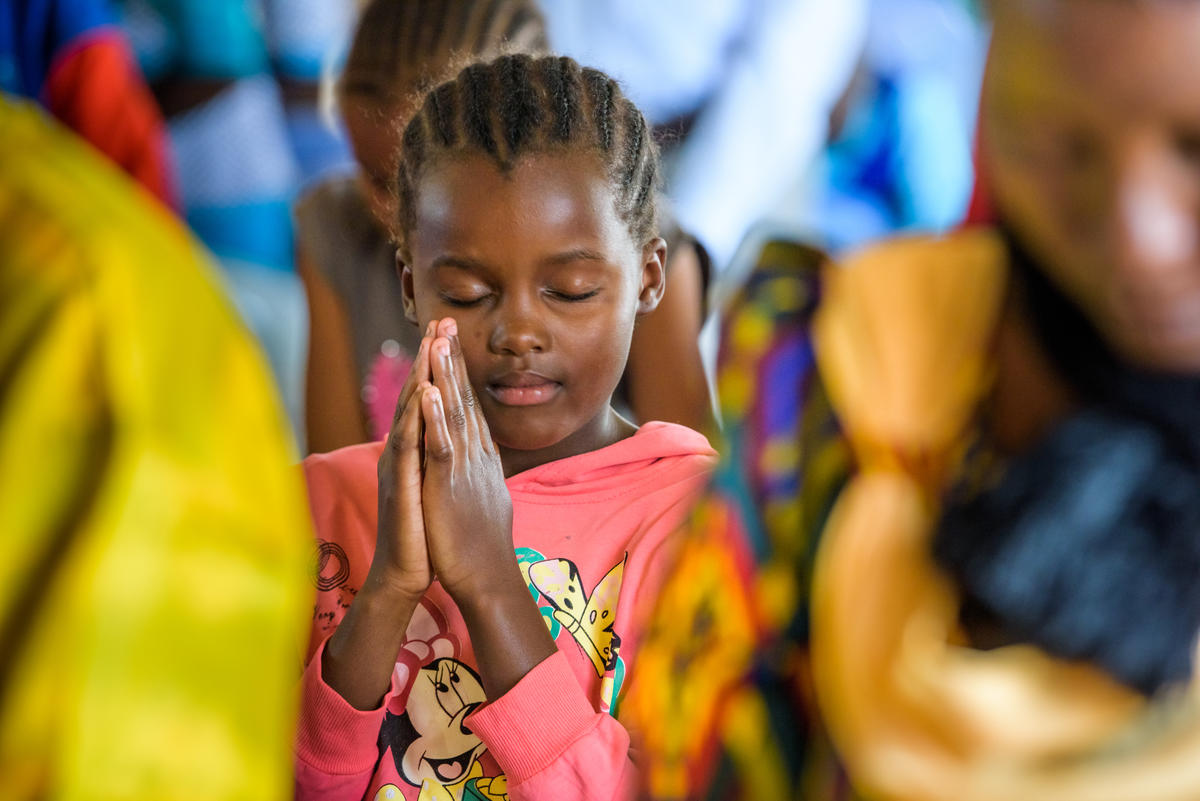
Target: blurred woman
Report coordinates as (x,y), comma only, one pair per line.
(955,534)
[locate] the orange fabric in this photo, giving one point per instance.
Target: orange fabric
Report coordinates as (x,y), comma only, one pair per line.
(97,91)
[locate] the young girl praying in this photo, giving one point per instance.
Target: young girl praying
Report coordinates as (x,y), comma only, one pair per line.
(479,571)
(361,349)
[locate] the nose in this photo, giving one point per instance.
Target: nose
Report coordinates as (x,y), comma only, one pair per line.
(519,326)
(1155,220)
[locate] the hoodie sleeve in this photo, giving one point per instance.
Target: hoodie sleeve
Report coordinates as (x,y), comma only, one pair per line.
(336,747)
(548,736)
(552,743)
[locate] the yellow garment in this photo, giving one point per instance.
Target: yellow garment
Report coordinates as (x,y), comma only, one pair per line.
(902,340)
(154,538)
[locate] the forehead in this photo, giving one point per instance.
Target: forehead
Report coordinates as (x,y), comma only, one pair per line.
(1132,57)
(544,204)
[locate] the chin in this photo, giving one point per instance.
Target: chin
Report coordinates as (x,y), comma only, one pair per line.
(1162,354)
(524,439)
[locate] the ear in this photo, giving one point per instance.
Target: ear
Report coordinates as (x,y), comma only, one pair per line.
(654,275)
(406,287)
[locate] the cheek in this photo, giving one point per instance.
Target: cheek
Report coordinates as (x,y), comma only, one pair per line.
(606,347)
(1044,210)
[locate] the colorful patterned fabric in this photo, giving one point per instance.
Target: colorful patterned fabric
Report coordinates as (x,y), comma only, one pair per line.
(739,721)
(156,542)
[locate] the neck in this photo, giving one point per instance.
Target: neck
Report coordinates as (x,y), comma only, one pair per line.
(603,430)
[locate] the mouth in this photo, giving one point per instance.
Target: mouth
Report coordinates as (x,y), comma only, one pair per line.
(523,388)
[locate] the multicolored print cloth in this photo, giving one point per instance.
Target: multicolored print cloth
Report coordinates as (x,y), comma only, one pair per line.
(739,720)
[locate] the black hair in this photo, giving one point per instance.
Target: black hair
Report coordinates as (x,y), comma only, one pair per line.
(516,105)
(405,46)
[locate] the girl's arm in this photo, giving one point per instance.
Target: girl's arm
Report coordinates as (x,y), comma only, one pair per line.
(359,657)
(333,414)
(540,726)
(351,673)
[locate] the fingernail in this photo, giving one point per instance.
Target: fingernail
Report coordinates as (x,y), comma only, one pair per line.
(451,327)
(429,329)
(443,348)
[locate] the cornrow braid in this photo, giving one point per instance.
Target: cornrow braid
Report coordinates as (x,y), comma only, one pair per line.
(405,46)
(518,104)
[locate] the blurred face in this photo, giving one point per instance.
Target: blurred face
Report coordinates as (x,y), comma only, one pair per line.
(374,138)
(1091,137)
(545,282)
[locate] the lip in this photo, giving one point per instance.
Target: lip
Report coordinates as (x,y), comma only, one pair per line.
(523,388)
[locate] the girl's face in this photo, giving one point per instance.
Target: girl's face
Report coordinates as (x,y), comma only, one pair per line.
(1091,134)
(545,282)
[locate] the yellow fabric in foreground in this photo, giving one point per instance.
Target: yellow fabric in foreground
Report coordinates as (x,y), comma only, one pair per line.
(154,538)
(902,342)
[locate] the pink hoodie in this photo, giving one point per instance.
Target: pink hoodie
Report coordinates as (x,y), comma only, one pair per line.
(592,535)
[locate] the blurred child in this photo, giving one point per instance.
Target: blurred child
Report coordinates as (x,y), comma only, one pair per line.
(361,348)
(479,571)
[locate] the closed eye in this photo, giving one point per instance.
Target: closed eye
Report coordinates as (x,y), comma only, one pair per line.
(452,300)
(572,297)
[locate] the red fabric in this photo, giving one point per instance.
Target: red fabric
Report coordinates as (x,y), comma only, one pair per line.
(96,90)
(980,211)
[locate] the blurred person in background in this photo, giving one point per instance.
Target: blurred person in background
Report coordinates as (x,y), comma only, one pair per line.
(156,541)
(741,91)
(237,81)
(360,345)
(951,552)
(72,58)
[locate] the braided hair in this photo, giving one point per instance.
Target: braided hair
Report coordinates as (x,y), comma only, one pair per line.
(405,46)
(518,104)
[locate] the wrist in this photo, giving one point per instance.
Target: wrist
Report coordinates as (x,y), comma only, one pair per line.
(506,628)
(500,585)
(385,590)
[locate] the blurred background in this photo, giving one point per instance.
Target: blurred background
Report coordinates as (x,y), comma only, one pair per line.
(832,122)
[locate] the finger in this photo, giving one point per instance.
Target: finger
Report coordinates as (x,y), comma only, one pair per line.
(418,372)
(388,466)
(408,482)
(476,420)
(439,445)
(396,437)
(457,413)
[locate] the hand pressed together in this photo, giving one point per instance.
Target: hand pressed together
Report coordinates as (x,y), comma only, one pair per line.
(444,512)
(467,508)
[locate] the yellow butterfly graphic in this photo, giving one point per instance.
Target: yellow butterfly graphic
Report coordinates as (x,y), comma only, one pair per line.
(590,620)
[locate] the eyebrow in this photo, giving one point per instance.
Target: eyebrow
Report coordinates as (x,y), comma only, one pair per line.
(577,254)
(460,263)
(565,257)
